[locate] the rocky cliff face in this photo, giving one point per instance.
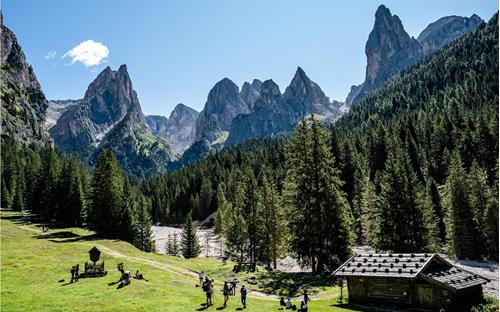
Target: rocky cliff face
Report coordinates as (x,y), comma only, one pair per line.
(178,129)
(223,104)
(310,95)
(390,49)
(250,92)
(110,116)
(275,113)
(23,103)
(445,30)
(56,109)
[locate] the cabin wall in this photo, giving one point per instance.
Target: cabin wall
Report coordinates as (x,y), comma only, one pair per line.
(386,291)
(398,292)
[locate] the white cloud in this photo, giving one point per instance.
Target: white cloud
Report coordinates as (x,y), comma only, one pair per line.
(50,55)
(88,52)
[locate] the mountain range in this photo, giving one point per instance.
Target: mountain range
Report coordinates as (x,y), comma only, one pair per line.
(390,49)
(109,115)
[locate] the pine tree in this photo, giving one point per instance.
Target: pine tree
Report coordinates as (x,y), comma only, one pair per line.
(205,199)
(407,222)
(462,234)
(234,234)
(47,187)
(370,219)
(274,222)
(108,208)
(143,233)
(71,197)
(479,197)
(222,208)
(321,226)
(19,202)
(190,246)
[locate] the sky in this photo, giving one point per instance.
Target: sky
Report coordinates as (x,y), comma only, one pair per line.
(176,51)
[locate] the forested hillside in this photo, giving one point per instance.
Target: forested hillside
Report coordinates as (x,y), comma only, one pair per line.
(415,161)
(413,167)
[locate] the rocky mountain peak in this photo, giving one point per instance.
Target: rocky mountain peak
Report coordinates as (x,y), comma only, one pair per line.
(24,105)
(389,48)
(224,102)
(445,30)
(249,93)
(257,84)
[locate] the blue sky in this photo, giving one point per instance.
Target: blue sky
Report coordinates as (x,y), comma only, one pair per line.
(177,50)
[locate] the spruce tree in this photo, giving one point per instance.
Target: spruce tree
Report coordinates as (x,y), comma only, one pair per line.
(407,222)
(108,209)
(143,233)
(370,215)
(462,234)
(190,247)
(274,223)
(321,223)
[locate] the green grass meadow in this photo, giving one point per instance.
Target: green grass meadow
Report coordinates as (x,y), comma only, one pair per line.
(33,264)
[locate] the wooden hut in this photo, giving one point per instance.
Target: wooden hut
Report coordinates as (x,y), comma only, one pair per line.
(419,282)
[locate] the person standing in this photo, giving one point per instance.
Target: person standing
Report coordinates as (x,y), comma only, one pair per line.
(73,269)
(201,276)
(207,288)
(225,291)
(243,292)
(77,274)
(306,297)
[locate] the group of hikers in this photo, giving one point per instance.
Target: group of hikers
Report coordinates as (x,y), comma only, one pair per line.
(290,306)
(125,276)
(229,288)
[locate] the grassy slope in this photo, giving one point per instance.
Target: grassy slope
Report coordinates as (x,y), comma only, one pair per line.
(33,262)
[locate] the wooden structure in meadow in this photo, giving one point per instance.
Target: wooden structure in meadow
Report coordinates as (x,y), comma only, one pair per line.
(410,282)
(94,269)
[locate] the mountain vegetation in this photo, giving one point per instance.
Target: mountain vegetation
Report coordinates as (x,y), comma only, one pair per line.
(408,157)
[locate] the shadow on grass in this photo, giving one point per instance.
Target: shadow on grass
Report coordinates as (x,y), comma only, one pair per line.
(204,306)
(67,237)
(290,284)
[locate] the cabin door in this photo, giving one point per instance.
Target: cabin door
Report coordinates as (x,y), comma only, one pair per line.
(425,296)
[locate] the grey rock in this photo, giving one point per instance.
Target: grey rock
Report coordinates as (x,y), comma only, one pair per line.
(23,103)
(250,92)
(56,109)
(178,129)
(110,116)
(390,49)
(223,104)
(445,30)
(275,113)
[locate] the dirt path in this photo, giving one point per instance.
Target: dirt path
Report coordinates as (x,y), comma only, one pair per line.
(183,273)
(192,275)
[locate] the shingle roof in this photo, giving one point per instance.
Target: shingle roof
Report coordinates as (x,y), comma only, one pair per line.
(384,265)
(454,277)
(410,266)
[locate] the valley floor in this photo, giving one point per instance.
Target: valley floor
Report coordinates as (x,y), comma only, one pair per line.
(35,276)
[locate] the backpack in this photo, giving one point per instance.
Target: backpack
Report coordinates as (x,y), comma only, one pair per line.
(205,287)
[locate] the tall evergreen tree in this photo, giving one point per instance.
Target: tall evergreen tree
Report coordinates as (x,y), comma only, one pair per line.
(190,247)
(143,233)
(108,207)
(404,225)
(461,231)
(370,214)
(274,222)
(321,227)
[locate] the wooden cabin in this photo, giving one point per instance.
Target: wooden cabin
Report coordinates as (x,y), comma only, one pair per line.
(410,282)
